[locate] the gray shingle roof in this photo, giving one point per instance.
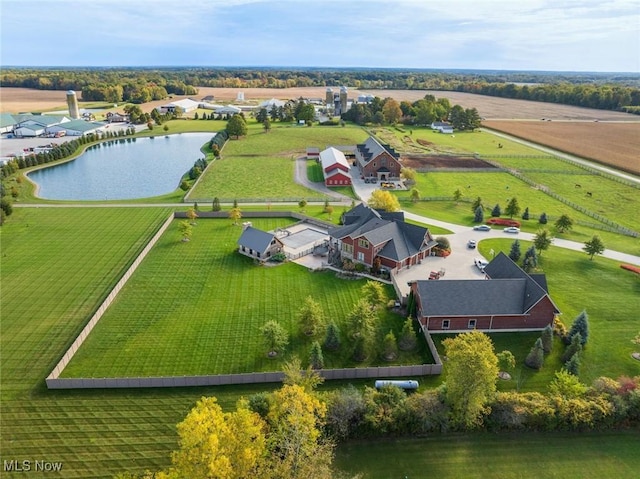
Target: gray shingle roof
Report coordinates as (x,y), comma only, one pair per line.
(471,297)
(402,239)
(255,239)
(372,148)
(510,290)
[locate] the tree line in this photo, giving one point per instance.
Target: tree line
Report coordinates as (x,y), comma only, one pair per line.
(137,85)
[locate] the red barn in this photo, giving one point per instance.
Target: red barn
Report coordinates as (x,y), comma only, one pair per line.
(335,167)
(509,300)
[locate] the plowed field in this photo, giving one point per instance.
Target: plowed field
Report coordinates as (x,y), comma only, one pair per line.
(614,144)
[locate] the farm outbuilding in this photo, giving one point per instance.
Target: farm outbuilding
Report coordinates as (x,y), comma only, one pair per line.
(377,161)
(258,244)
(335,167)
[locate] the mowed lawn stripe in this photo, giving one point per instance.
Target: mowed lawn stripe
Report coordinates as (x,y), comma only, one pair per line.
(197,308)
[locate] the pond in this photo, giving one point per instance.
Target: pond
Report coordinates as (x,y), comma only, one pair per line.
(123,169)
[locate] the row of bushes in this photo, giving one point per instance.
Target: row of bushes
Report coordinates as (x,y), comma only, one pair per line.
(569,405)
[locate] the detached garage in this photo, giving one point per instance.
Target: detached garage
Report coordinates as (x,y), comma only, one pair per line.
(335,167)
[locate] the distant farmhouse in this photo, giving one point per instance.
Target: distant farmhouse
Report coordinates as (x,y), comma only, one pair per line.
(31,126)
(442,127)
(508,300)
(369,236)
(377,161)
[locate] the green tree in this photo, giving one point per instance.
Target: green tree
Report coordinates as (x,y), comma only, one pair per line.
(266,124)
(543,219)
(311,317)
(237,126)
(415,195)
(316,360)
(472,371)
(389,347)
(186,230)
(547,339)
(332,338)
(496,211)
(302,204)
(457,196)
(477,203)
(374,293)
(506,360)
(275,337)
(567,386)
(525,215)
(573,365)
(593,247)
(515,252)
(530,261)
(535,358)
(361,329)
(219,445)
(215,205)
(574,347)
(513,208)
(408,340)
(580,326)
(384,200)
(564,224)
(478,215)
(262,115)
(542,240)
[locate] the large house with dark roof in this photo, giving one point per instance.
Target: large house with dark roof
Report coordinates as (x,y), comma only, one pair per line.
(508,300)
(378,161)
(258,244)
(368,236)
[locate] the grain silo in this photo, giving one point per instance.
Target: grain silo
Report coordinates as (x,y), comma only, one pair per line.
(343,99)
(329,97)
(72,104)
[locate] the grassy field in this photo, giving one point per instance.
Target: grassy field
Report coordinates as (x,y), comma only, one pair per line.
(269,157)
(504,456)
(198,308)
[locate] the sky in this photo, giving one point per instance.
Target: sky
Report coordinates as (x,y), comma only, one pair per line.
(547,35)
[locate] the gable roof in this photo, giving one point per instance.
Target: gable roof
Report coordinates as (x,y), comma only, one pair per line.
(472,297)
(255,239)
(372,148)
(509,291)
(503,267)
(402,239)
(332,156)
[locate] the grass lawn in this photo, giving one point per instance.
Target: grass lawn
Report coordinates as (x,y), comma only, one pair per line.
(504,456)
(197,307)
(261,164)
(611,303)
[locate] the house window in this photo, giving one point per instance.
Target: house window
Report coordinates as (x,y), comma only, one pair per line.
(360,256)
(445,324)
(472,324)
(347,248)
(374,164)
(363,243)
(383,162)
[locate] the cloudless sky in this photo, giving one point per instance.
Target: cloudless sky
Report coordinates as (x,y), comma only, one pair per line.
(558,35)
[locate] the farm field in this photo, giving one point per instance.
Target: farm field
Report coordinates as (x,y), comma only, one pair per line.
(16,100)
(568,455)
(199,307)
(613,144)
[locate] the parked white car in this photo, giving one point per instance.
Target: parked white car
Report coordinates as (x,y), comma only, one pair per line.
(512,229)
(480,263)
